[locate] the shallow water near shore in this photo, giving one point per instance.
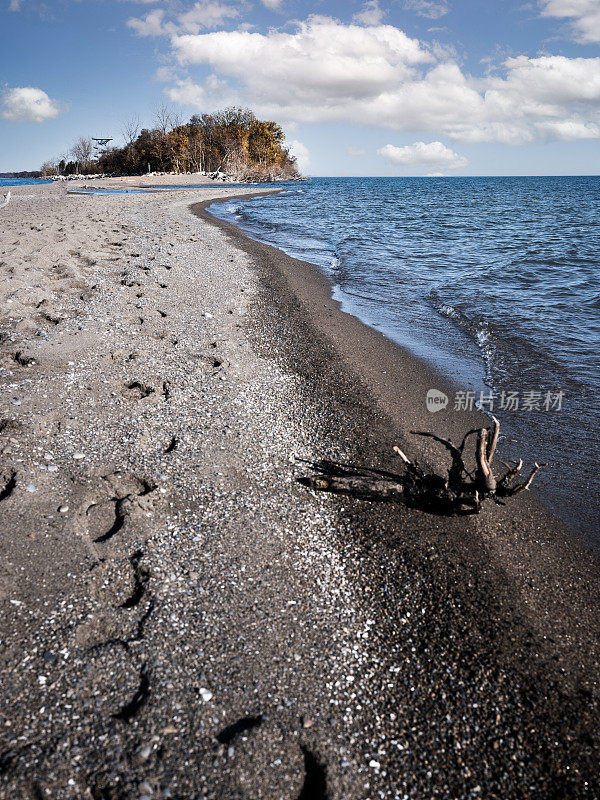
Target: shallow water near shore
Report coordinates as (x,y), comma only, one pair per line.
(494,281)
(21,181)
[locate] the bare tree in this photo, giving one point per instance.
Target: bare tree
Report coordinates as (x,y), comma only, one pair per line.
(48,168)
(82,152)
(163,119)
(131,130)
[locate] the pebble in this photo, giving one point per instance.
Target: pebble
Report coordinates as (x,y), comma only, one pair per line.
(78,456)
(206,695)
(31,488)
(374,764)
(168,729)
(145,752)
(63,509)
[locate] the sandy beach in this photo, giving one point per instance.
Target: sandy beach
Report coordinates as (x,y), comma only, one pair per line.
(181,618)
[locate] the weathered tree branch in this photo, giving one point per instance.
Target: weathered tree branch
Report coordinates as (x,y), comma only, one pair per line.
(461,492)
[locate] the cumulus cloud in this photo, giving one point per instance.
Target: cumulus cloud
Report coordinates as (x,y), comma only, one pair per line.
(351,150)
(568,130)
(584,16)
(431,9)
(371,13)
(27,104)
(432,157)
(207,14)
(152,24)
(324,62)
(302,154)
(213,92)
(187,93)
(376,75)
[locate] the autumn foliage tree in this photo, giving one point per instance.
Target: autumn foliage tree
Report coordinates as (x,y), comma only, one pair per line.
(233,141)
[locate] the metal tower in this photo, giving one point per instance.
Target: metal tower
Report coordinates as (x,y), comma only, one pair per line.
(101,143)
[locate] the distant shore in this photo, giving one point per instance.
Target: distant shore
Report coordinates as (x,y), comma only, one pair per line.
(180,616)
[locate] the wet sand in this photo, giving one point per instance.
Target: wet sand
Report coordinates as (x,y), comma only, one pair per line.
(181,618)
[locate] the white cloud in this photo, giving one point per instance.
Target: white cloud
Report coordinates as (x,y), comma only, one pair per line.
(272,4)
(323,62)
(351,150)
(15,5)
(569,130)
(27,104)
(583,14)
(432,156)
(215,92)
(187,93)
(151,25)
(432,9)
(204,14)
(165,74)
(376,75)
(371,13)
(301,152)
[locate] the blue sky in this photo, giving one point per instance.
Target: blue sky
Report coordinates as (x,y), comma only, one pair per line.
(383,87)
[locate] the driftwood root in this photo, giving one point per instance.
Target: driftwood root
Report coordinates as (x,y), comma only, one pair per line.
(462,491)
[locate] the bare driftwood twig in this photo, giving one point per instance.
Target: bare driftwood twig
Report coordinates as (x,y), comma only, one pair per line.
(461,492)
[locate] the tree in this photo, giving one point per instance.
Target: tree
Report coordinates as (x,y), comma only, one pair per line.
(265,141)
(82,152)
(232,139)
(162,119)
(130,130)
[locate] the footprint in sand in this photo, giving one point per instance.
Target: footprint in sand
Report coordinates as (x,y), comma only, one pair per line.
(137,390)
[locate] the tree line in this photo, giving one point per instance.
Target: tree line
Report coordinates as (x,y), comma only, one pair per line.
(233,141)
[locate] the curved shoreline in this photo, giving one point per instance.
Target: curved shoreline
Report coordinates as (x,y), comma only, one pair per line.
(535,561)
(188,584)
(555,439)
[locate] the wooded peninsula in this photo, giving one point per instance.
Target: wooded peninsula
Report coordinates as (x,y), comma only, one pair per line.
(233,141)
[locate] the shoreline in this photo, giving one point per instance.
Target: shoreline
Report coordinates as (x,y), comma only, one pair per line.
(180,615)
(566,486)
(539,557)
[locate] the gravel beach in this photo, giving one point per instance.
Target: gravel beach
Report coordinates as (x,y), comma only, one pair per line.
(181,618)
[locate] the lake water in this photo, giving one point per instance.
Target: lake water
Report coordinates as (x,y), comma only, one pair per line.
(495,281)
(20,181)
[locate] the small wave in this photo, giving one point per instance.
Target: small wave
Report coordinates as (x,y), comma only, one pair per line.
(477,329)
(448,311)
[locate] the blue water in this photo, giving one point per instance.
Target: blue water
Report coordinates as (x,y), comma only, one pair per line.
(20,181)
(494,281)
